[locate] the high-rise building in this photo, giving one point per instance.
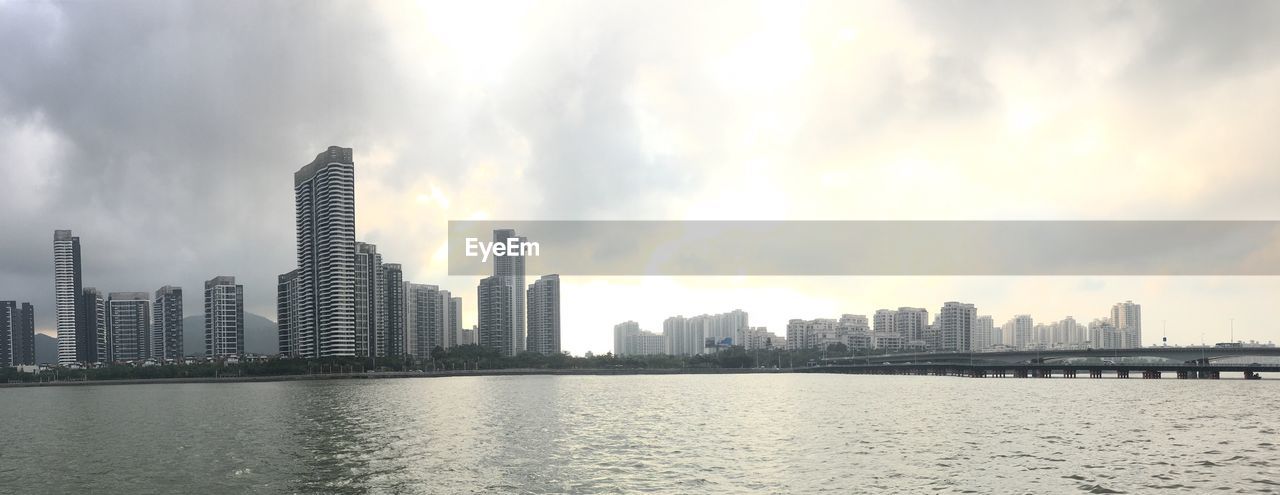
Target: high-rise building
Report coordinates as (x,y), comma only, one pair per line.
(424,313)
(1103,335)
(452,319)
(913,325)
(370,307)
(166,324)
(129,325)
(493,298)
(956,323)
(1019,332)
(469,336)
(93,308)
(448,338)
(703,333)
(8,326)
(17,334)
(510,268)
(392,344)
(73,344)
(630,340)
(223,317)
(287,314)
(754,338)
(324,194)
(544,315)
(1127,319)
(984,334)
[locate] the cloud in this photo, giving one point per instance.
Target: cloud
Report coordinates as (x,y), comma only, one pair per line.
(165,133)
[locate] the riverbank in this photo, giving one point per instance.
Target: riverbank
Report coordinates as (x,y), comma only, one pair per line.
(404,374)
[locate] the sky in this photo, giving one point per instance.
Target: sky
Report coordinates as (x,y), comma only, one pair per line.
(165,135)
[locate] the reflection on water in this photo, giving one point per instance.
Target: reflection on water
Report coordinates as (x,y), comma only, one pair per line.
(673,434)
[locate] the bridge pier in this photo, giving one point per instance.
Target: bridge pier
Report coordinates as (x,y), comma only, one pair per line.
(1183,374)
(1151,374)
(1122,373)
(1095,373)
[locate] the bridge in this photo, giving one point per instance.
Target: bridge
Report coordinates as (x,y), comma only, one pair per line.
(1048,370)
(1134,356)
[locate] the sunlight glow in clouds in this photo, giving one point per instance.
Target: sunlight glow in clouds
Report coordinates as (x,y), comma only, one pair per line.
(645,110)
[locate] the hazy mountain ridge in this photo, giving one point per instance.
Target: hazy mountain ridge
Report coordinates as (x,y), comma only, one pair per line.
(259,336)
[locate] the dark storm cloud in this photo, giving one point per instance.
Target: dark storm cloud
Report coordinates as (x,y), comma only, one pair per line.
(176,127)
(181,124)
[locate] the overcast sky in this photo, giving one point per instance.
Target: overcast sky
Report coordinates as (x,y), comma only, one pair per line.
(165,134)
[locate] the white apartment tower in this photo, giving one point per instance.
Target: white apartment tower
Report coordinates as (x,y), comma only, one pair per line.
(223,317)
(1127,319)
(325,207)
(72,344)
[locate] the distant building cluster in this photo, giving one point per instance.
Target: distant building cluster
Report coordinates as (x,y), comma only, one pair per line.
(343,299)
(695,335)
(135,327)
(958,327)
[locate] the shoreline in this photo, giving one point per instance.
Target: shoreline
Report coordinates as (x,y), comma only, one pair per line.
(404,374)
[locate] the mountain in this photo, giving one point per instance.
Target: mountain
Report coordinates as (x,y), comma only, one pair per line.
(259,338)
(259,335)
(46,349)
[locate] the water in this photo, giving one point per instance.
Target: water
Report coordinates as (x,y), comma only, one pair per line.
(624,434)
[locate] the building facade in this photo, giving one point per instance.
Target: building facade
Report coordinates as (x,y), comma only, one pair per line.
(510,269)
(1126,317)
(129,326)
(544,315)
(495,313)
(287,314)
(392,343)
(424,313)
(324,197)
(956,323)
(74,345)
(17,334)
(223,317)
(166,324)
(370,307)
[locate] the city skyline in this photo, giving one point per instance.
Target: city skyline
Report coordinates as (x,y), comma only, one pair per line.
(933,119)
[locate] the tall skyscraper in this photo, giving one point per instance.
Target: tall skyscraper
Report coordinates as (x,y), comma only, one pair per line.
(324,193)
(73,345)
(956,324)
(93,308)
(129,325)
(223,317)
(287,314)
(510,269)
(1127,319)
(393,299)
(370,307)
(544,315)
(166,324)
(494,301)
